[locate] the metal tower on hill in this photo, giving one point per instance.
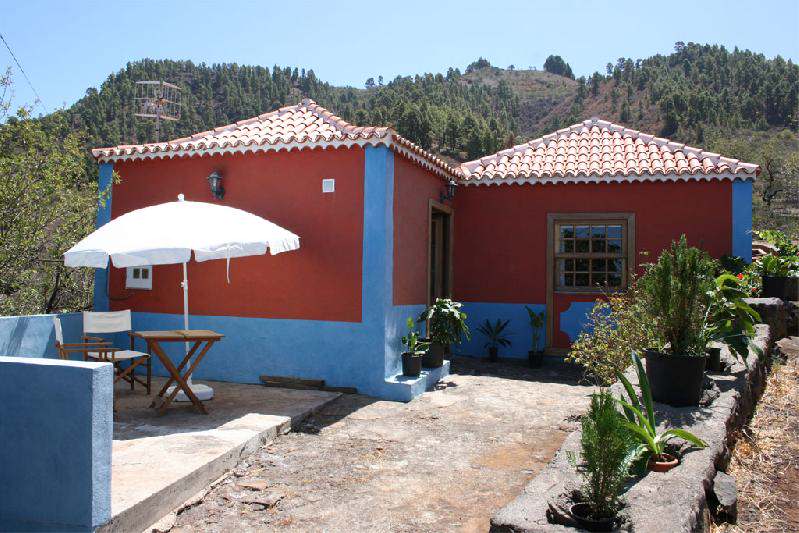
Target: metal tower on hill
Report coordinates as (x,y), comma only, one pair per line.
(159,100)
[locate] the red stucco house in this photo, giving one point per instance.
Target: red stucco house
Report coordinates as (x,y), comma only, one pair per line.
(381,235)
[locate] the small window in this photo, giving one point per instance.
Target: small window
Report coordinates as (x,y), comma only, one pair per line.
(591,254)
(139,278)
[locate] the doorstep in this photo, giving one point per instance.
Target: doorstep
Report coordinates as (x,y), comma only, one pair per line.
(405,388)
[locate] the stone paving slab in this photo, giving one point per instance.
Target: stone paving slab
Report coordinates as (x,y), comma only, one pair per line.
(160,461)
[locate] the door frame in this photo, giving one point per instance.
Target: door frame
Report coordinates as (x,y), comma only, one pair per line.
(433,206)
(552,219)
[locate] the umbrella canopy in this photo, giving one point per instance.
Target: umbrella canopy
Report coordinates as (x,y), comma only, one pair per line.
(168,233)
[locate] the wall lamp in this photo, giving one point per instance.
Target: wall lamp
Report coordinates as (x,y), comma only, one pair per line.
(215,182)
(449,194)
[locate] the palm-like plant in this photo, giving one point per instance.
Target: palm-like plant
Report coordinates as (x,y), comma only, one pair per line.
(495,333)
(729,318)
(642,424)
(536,323)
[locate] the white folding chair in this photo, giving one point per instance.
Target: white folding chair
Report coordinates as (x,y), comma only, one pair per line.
(125,361)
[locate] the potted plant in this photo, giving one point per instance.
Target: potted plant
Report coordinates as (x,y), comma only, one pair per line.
(536,355)
(728,319)
(495,337)
(780,271)
(675,290)
(415,349)
(605,445)
(642,425)
(447,325)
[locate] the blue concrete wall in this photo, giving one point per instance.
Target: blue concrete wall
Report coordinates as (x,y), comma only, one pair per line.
(742,219)
(34,336)
(56,435)
(105,182)
(575,319)
(519,331)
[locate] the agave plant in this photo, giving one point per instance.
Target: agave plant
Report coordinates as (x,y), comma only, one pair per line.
(641,423)
(495,333)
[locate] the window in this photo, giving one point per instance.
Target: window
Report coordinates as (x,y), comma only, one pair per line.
(139,278)
(590,254)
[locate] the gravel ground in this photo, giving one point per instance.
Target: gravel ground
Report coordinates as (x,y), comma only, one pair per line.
(444,462)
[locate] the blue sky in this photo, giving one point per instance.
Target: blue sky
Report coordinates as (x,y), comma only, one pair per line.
(66,47)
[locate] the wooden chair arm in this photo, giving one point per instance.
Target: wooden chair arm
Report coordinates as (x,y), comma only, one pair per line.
(95,339)
(89,348)
(86,344)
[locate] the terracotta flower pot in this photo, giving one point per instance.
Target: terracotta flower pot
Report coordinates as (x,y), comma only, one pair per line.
(662,463)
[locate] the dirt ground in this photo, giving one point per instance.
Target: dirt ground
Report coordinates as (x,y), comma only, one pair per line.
(765,462)
(444,462)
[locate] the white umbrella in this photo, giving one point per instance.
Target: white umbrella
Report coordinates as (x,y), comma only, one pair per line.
(168,233)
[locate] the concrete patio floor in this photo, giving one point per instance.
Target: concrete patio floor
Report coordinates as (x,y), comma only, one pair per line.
(443,462)
(158,462)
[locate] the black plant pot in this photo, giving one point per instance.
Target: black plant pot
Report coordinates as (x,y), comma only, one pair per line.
(713,359)
(411,365)
(434,358)
(580,512)
(786,288)
(535,358)
(492,354)
(675,380)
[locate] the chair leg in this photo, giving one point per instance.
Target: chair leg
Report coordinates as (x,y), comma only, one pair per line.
(132,381)
(149,373)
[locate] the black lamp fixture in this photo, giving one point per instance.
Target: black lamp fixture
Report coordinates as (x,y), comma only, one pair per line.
(450,192)
(215,181)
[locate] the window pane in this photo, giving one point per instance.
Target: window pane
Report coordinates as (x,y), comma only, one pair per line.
(145,273)
(582,232)
(581,279)
(567,245)
(615,265)
(614,279)
(598,279)
(567,232)
(569,265)
(614,246)
(568,280)
(598,246)
(136,273)
(598,265)
(614,232)
(581,245)
(598,232)
(581,265)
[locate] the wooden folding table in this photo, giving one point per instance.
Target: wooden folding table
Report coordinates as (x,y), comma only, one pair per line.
(177,376)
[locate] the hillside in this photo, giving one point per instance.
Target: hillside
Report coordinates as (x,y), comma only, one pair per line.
(700,94)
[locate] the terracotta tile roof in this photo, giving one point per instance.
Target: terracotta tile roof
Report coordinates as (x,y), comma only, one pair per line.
(597,151)
(305,125)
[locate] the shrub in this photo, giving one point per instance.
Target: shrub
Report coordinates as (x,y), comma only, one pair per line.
(617,326)
(447,321)
(605,455)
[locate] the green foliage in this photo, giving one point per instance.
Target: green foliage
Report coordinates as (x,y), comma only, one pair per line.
(47,203)
(447,321)
(536,324)
(413,344)
(778,265)
(605,445)
(676,290)
(785,247)
(729,319)
(556,65)
(642,424)
(618,325)
(495,333)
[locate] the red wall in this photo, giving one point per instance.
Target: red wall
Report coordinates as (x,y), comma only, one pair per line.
(320,281)
(500,234)
(414,186)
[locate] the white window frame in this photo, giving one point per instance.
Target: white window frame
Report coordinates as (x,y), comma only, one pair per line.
(139,278)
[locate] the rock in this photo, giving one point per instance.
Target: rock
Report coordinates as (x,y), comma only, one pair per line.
(724,498)
(773,312)
(255,484)
(266,500)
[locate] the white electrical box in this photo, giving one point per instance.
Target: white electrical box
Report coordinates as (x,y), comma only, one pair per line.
(328,185)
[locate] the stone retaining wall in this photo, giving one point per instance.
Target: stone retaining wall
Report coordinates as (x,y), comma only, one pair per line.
(674,501)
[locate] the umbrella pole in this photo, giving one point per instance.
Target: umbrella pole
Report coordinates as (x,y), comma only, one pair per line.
(203,392)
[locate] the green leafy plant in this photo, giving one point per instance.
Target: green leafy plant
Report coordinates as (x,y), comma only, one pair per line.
(778,265)
(778,239)
(675,290)
(495,333)
(536,324)
(414,345)
(617,326)
(641,420)
(447,321)
(605,445)
(729,319)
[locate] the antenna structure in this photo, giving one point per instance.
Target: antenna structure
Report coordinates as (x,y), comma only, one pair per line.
(159,100)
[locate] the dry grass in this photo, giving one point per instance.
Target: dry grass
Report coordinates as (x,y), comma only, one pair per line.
(765,462)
